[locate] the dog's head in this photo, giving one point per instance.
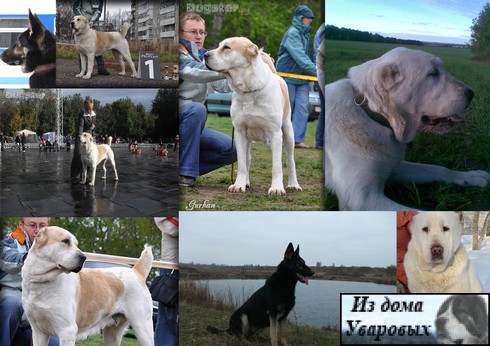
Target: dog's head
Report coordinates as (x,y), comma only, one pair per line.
(462,319)
(413,91)
(86,139)
(58,247)
(436,237)
(34,47)
(79,25)
(296,265)
(232,54)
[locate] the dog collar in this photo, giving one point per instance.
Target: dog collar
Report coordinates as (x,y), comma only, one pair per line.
(361,101)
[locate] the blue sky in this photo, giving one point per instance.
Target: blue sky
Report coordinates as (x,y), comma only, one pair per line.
(447,21)
(237,238)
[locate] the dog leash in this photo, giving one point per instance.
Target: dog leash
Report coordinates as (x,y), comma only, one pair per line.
(232,156)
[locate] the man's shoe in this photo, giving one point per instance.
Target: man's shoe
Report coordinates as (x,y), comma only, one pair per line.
(104,72)
(186,181)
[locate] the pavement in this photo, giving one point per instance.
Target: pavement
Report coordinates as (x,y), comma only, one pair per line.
(66,70)
(35,183)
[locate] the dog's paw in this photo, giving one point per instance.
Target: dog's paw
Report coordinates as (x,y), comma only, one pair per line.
(79,75)
(87,76)
(122,73)
(116,179)
(91,183)
(103,178)
(134,76)
(295,187)
(236,188)
(277,191)
(473,178)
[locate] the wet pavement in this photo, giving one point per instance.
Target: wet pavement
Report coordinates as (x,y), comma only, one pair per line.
(38,183)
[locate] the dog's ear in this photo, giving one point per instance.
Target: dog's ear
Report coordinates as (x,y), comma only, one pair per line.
(252,51)
(41,237)
(289,252)
(34,24)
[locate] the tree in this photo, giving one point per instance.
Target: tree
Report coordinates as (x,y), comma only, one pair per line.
(480,34)
(165,108)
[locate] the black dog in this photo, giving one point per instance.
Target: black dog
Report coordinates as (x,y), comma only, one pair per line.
(462,319)
(35,50)
(270,305)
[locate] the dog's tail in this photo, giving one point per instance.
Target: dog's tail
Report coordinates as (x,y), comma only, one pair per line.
(109,140)
(215,330)
(124,29)
(144,263)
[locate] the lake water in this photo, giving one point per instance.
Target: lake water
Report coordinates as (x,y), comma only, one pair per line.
(317,305)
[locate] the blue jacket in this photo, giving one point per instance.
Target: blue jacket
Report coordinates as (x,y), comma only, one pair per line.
(294,52)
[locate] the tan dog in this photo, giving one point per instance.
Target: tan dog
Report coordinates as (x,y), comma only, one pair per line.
(260,109)
(93,154)
(62,299)
(91,43)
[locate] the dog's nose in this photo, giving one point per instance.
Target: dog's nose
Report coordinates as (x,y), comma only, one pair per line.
(436,250)
(82,257)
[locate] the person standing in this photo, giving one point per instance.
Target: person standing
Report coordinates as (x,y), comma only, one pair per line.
(294,57)
(85,123)
(86,9)
(167,284)
(23,142)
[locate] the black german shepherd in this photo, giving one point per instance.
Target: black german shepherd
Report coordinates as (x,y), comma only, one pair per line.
(270,305)
(35,50)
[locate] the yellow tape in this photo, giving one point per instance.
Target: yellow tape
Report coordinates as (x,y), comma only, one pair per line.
(297,76)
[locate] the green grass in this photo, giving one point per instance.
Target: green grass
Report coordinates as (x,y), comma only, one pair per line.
(194,320)
(98,340)
(465,149)
(212,188)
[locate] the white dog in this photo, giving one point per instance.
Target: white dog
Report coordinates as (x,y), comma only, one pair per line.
(260,109)
(436,260)
(462,319)
(92,154)
(60,298)
(91,43)
(371,117)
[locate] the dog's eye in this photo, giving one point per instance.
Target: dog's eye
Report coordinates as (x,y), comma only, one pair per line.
(226,47)
(425,229)
(445,229)
(66,241)
(434,73)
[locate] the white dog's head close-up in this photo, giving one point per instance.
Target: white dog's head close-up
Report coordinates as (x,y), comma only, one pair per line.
(413,91)
(57,249)
(437,237)
(232,53)
(79,24)
(86,139)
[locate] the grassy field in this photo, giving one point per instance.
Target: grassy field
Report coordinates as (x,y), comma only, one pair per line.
(99,341)
(467,148)
(212,188)
(198,308)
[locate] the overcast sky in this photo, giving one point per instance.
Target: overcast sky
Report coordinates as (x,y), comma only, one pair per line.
(425,20)
(237,238)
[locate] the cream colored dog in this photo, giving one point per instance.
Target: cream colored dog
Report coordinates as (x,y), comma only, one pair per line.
(91,43)
(372,116)
(92,154)
(260,109)
(436,260)
(62,299)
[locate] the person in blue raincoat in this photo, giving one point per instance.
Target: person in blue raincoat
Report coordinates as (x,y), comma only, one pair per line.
(295,57)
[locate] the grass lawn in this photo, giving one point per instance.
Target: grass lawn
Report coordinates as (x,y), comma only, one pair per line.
(98,340)
(212,188)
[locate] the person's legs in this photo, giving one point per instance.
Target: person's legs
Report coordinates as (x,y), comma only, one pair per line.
(10,316)
(320,127)
(299,110)
(217,150)
(167,328)
(101,66)
(192,120)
